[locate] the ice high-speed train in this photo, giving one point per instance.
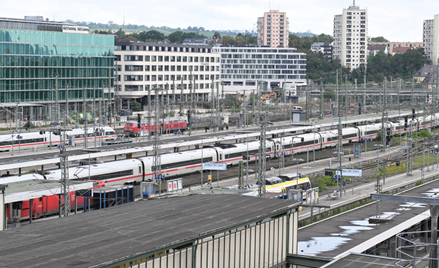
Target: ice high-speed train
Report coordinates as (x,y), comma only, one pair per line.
(186,162)
(53,138)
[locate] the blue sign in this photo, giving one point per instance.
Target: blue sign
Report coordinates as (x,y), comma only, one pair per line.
(54,124)
(284,154)
(19,137)
(160,177)
(102,130)
(363,139)
(60,146)
(369,139)
(433,152)
(179,133)
(337,177)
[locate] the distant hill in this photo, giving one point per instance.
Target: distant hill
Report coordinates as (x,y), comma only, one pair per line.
(303,34)
(134,28)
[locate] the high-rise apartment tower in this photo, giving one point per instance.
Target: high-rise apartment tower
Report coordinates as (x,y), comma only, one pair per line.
(350,37)
(431,39)
(273,29)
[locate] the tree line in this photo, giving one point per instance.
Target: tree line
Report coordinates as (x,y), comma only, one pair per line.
(379,66)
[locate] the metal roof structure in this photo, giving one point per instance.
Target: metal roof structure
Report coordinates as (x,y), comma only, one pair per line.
(123,233)
(361,261)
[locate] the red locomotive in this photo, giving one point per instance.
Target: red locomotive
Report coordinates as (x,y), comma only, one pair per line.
(168,125)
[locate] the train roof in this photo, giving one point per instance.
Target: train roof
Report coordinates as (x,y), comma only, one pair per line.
(83,171)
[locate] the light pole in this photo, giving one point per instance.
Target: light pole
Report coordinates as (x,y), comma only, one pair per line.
(339,158)
(297,166)
(202,163)
(378,165)
(246,170)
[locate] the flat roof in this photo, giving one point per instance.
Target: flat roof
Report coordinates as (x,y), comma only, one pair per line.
(29,189)
(106,236)
(361,261)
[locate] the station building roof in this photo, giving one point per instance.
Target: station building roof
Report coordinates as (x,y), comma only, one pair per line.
(118,234)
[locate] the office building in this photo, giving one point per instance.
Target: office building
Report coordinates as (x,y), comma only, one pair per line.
(350,37)
(42,60)
(431,39)
(143,67)
(243,67)
(273,29)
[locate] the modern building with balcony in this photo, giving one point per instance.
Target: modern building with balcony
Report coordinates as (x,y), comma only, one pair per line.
(45,62)
(323,47)
(242,68)
(273,29)
(176,69)
(350,37)
(431,39)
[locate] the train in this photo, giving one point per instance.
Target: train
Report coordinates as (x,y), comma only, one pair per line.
(170,125)
(187,162)
(53,138)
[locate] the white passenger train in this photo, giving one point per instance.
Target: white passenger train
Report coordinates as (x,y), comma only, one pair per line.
(53,138)
(186,162)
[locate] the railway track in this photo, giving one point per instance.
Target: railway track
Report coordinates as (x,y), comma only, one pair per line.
(398,156)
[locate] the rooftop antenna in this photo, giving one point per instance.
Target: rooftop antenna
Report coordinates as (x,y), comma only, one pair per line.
(354,2)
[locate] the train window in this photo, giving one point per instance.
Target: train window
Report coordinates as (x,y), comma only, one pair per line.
(140,169)
(349,136)
(183,163)
(110,175)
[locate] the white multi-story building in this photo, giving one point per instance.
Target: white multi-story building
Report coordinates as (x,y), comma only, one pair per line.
(350,37)
(143,67)
(273,29)
(431,39)
(243,67)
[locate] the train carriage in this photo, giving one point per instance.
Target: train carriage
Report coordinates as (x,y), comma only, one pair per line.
(126,171)
(171,124)
(176,164)
(231,155)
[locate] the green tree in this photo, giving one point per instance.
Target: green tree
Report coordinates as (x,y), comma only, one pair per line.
(228,40)
(176,37)
(378,39)
(152,35)
(137,106)
(216,35)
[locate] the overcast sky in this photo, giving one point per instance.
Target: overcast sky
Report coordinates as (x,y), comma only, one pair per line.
(396,20)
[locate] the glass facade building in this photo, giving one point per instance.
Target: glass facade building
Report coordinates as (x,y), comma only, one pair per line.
(38,56)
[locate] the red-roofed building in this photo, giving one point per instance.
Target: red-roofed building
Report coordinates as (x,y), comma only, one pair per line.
(397,50)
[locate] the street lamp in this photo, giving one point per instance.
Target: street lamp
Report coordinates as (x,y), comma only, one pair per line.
(297,166)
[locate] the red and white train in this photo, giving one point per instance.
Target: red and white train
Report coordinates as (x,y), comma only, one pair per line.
(54,138)
(187,162)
